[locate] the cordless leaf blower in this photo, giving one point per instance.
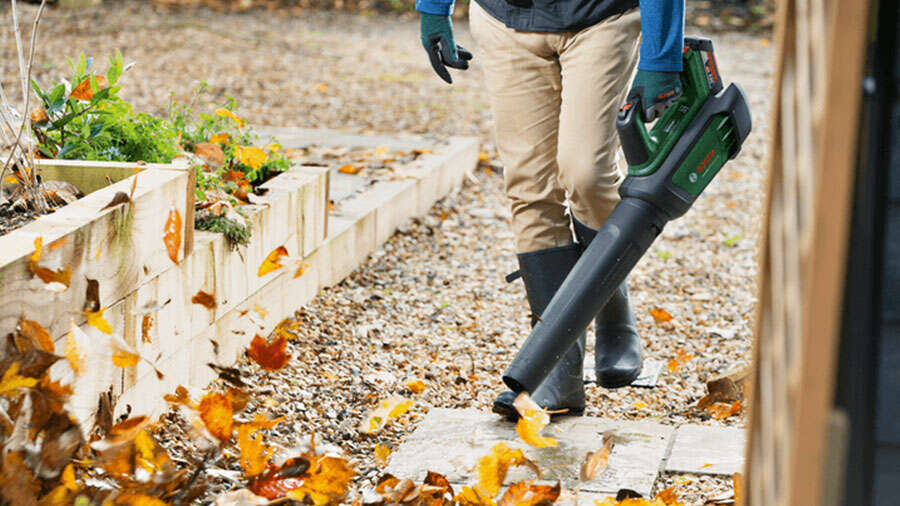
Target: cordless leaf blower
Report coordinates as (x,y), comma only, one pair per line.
(668,167)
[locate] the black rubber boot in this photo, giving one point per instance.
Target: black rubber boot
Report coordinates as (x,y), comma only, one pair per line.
(618,357)
(543,272)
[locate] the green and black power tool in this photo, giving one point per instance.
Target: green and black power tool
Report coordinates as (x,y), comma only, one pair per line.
(668,168)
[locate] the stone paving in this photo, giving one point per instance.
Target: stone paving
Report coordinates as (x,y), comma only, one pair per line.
(450,442)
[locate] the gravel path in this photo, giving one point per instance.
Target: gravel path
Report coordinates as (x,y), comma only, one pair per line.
(432,304)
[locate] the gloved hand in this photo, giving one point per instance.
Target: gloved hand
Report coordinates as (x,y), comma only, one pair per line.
(656,91)
(437,38)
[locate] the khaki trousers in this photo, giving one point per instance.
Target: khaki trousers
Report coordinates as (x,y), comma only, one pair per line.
(554,97)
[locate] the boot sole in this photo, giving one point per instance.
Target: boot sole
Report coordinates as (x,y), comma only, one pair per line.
(510,413)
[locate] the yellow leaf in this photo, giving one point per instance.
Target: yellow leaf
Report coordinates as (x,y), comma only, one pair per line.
(350,169)
(492,469)
(321,87)
(532,420)
(271,262)
(124,358)
(13,381)
(382,453)
(416,386)
(260,310)
(325,482)
(301,268)
(273,147)
(639,405)
(254,454)
(380,150)
(228,114)
(251,156)
(468,496)
(95,319)
(38,247)
(75,340)
(68,478)
(387,410)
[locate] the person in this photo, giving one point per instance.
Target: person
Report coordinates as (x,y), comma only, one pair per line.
(556,72)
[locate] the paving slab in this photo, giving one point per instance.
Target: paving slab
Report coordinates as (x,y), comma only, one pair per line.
(450,442)
(649,377)
(707,450)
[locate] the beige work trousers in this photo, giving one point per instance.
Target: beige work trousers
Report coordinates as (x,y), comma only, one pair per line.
(554,97)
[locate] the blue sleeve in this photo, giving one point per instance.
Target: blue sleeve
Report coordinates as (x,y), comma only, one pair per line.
(437,7)
(662,34)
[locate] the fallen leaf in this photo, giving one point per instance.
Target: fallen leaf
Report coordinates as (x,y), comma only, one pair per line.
(532,420)
(350,169)
(146,326)
(36,334)
(38,115)
(12,381)
(55,245)
(172,234)
(255,454)
(660,315)
(216,412)
(211,152)
(325,482)
(416,386)
(595,462)
(321,87)
(493,467)
(271,262)
(639,405)
(270,356)
(527,493)
(387,410)
(118,199)
(76,340)
(382,453)
(204,299)
(301,268)
(723,410)
(95,319)
(124,358)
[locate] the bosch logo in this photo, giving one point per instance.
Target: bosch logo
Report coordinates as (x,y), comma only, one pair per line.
(706,160)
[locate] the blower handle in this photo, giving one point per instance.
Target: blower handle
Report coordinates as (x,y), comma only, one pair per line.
(632,133)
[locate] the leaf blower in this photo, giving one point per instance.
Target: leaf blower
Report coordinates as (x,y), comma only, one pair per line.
(668,167)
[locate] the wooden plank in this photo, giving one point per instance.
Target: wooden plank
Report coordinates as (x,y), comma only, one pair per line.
(90,176)
(121,247)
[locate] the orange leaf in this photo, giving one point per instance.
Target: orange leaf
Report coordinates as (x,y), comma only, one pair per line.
(216,412)
(382,453)
(596,462)
(527,493)
(723,410)
(300,270)
(146,325)
(532,419)
(38,115)
(228,114)
(211,152)
(254,454)
(55,245)
(271,262)
(84,91)
(668,496)
(492,469)
(172,234)
(220,138)
(660,315)
(39,337)
(415,386)
(269,356)
(350,169)
(325,482)
(204,299)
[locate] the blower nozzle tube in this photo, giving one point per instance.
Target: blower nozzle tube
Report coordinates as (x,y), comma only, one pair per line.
(615,250)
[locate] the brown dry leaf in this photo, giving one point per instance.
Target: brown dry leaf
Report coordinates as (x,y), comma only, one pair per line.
(172,234)
(255,454)
(38,115)
(181,396)
(350,169)
(12,381)
(206,300)
(325,482)
(56,280)
(527,493)
(270,356)
(84,91)
(17,483)
(660,315)
(216,412)
(146,325)
(416,386)
(211,152)
(532,420)
(382,453)
(387,410)
(118,199)
(271,262)
(38,336)
(95,319)
(595,462)
(133,183)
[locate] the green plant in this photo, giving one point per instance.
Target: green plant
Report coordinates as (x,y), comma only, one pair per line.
(236,234)
(91,122)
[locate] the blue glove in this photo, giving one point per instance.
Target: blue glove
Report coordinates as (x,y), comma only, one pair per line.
(656,91)
(437,38)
